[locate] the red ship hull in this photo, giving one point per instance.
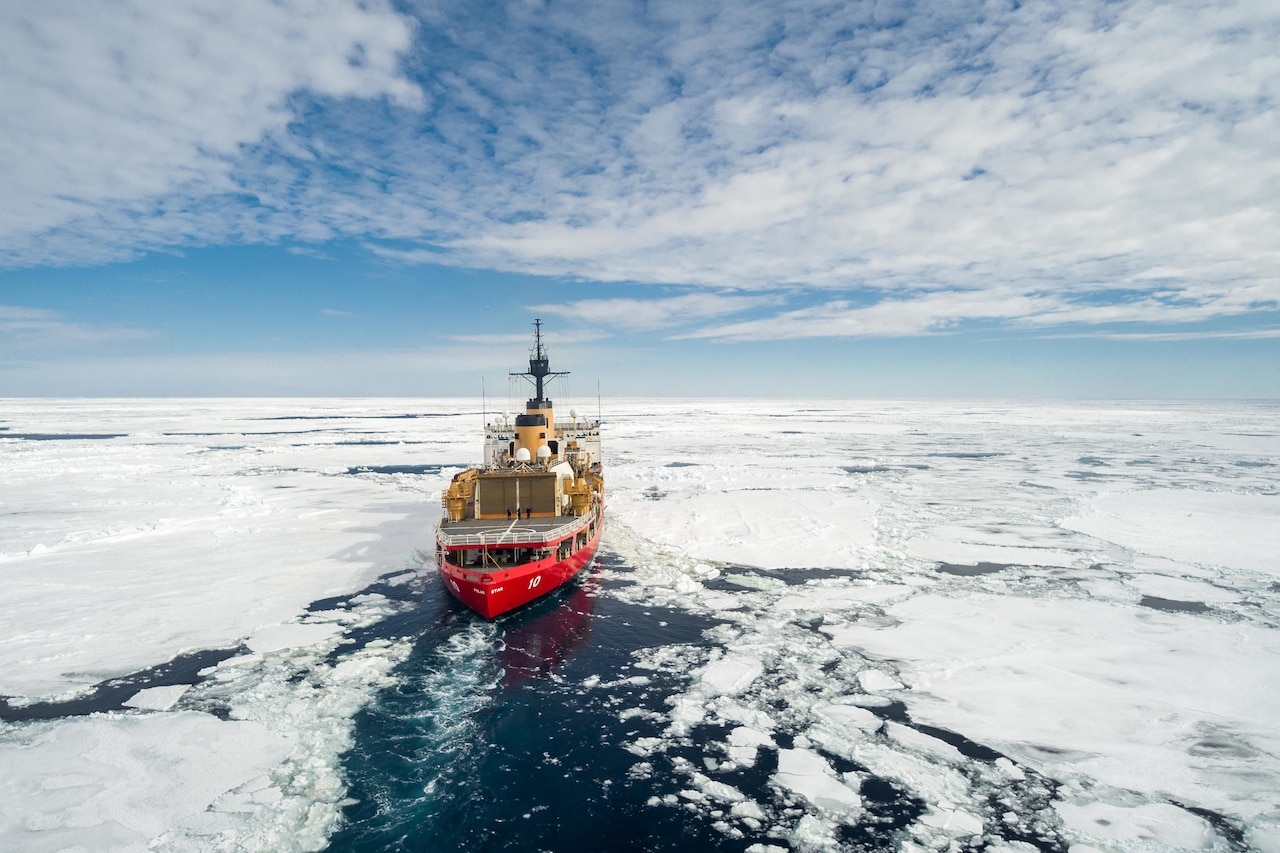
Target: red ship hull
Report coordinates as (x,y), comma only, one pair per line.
(494,593)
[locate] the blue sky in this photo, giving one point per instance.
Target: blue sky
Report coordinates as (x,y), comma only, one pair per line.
(775,198)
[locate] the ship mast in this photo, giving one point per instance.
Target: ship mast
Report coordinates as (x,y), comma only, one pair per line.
(539,370)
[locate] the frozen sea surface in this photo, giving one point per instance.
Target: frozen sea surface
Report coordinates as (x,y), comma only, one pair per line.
(812,626)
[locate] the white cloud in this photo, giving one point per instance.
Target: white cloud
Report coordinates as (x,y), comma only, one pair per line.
(132,113)
(1216,334)
(655,313)
(929,313)
(1022,163)
(947,312)
(39,330)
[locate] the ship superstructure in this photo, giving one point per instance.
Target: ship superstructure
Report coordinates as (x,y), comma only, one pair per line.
(530,517)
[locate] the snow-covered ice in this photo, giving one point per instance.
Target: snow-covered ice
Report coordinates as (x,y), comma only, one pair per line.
(1033,625)
(136,532)
(1081,596)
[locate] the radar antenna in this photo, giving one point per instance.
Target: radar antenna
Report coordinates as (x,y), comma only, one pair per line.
(539,369)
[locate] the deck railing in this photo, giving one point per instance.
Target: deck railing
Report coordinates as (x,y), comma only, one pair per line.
(512,536)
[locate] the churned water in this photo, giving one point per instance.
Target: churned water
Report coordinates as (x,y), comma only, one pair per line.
(520,734)
(511,735)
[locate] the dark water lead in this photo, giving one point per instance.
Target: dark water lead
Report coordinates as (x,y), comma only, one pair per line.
(404,469)
(112,694)
(734,578)
(882,469)
(968,571)
(968,454)
(65,436)
(516,742)
(411,416)
(511,736)
(1156,603)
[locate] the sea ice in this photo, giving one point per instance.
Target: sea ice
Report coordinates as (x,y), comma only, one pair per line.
(1228,529)
(204,526)
(1113,691)
(1161,823)
(157,698)
(731,673)
(120,781)
(1068,652)
(808,774)
(874,681)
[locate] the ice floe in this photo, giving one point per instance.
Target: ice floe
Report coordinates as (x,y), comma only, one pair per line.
(948,626)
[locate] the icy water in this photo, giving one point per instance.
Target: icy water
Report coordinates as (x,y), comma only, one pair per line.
(519,735)
(854,626)
(507,736)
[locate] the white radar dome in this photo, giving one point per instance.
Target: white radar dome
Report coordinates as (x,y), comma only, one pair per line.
(573,413)
(544,452)
(522,454)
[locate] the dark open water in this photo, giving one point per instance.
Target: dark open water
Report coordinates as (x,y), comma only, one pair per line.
(508,735)
(491,741)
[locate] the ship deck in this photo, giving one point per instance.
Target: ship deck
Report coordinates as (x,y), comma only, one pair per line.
(508,531)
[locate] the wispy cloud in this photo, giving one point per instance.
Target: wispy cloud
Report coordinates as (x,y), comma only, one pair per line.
(408,256)
(952,311)
(38,330)
(904,167)
(139,115)
(656,313)
(1215,334)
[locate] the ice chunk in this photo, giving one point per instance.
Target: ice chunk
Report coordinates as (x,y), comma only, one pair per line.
(847,716)
(954,822)
(291,635)
(806,773)
(125,779)
(1130,825)
(816,597)
(721,791)
(744,743)
(157,698)
(744,526)
(1118,691)
(927,744)
(732,673)
(873,681)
